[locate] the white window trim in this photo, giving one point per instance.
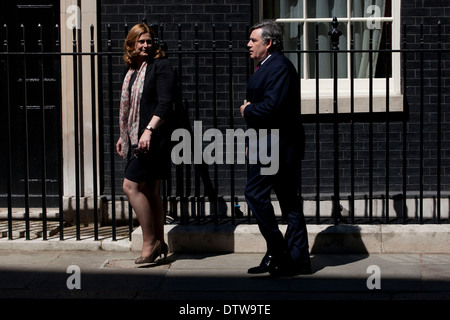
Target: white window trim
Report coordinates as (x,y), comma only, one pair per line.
(361,86)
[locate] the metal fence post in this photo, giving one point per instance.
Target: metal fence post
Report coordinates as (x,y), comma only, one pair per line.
(76,132)
(8,138)
(335,33)
(43,137)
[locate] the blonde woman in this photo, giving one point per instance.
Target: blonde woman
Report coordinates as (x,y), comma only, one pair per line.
(145,108)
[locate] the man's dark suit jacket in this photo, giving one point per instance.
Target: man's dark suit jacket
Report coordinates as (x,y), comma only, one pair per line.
(273,91)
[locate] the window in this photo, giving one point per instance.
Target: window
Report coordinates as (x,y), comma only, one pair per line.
(363,23)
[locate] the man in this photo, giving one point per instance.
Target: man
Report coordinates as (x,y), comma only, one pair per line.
(273,104)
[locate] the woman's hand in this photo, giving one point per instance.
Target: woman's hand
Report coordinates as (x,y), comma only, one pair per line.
(119,147)
(144,141)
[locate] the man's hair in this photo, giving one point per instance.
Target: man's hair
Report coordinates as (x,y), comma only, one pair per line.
(270,30)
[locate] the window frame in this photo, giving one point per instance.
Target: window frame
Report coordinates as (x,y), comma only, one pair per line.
(360,85)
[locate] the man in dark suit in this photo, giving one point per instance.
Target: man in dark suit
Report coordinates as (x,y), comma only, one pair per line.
(273,104)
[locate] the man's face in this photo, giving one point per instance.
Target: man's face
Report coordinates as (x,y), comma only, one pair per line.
(258,50)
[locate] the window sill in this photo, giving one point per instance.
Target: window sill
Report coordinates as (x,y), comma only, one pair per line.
(361,103)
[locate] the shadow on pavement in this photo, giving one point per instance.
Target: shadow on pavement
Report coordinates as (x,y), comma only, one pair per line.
(339,239)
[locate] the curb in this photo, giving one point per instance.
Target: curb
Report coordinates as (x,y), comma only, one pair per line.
(349,239)
(64,245)
(322,238)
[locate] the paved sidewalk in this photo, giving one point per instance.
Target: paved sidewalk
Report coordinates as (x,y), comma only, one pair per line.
(113,275)
(218,281)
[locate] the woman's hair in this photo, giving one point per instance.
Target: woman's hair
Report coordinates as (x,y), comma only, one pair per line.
(130,56)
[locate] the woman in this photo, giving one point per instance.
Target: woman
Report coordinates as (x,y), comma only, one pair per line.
(145,108)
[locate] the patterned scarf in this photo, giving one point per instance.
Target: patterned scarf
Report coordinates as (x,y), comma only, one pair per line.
(130,108)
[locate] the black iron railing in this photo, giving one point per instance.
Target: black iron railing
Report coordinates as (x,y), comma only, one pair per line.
(413,141)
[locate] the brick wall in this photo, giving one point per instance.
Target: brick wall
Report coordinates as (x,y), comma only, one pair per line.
(413,14)
(237,13)
(190,15)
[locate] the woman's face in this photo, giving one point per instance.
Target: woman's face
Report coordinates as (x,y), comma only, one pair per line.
(143,46)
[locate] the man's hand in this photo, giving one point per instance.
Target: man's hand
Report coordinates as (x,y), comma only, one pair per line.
(243,107)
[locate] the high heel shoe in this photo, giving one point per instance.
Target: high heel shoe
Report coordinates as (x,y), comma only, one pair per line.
(152,257)
(164,250)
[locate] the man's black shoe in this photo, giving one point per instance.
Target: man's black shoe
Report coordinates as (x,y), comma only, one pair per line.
(264,266)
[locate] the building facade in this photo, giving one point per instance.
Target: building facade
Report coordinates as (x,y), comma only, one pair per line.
(383,136)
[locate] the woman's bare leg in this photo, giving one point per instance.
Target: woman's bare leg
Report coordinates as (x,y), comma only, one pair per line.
(156,209)
(139,197)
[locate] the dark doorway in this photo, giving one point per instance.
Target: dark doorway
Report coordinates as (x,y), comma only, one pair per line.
(34,103)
